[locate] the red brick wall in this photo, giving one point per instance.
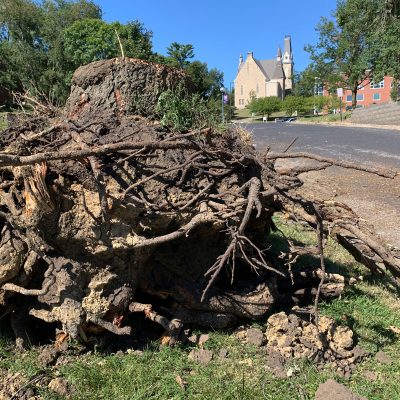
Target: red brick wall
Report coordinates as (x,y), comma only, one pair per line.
(366,94)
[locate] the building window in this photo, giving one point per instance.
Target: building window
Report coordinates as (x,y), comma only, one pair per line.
(360,87)
(257,88)
(241,89)
(349,98)
(376,96)
(360,97)
(379,85)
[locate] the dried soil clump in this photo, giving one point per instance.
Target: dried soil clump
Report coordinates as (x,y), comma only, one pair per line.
(293,336)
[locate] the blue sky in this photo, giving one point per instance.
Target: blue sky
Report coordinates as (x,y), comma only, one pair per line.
(222,29)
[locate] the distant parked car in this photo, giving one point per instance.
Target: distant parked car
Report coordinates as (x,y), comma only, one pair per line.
(287,119)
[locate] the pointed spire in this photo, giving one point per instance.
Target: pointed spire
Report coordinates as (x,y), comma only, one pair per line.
(287,53)
(279,57)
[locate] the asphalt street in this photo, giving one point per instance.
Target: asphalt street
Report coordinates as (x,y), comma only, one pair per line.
(366,145)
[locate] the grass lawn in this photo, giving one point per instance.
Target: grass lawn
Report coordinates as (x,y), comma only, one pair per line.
(325,118)
(369,308)
(245,113)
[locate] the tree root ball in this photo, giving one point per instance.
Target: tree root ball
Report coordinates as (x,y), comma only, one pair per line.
(106,216)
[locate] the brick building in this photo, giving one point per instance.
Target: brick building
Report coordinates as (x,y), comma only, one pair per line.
(369,93)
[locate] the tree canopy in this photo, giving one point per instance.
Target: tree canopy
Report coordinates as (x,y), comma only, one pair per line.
(361,42)
(180,54)
(32,44)
(89,40)
(265,105)
(343,54)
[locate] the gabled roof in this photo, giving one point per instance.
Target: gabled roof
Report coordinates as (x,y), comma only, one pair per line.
(267,67)
(278,72)
(270,68)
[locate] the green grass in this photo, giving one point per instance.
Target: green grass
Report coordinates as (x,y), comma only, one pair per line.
(325,118)
(245,113)
(369,308)
(3,121)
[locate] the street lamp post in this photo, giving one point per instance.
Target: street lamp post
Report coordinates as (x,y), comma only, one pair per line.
(316,78)
(222,90)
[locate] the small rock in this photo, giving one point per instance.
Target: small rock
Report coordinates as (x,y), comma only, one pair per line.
(201,356)
(135,352)
(255,337)
(325,324)
(60,386)
(289,372)
(48,356)
(193,339)
(223,354)
(331,390)
(278,321)
(203,339)
(371,375)
(383,358)
(343,337)
(276,363)
(240,333)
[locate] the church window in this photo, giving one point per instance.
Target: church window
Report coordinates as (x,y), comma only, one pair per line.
(257,88)
(241,89)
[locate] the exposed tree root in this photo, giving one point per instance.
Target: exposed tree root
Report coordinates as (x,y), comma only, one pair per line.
(101,221)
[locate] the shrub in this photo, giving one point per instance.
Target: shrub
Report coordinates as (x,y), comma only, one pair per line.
(182,111)
(264,105)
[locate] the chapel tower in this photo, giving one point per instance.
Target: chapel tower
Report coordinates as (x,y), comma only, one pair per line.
(288,64)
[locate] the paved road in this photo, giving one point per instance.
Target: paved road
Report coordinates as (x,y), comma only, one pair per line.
(373,198)
(366,145)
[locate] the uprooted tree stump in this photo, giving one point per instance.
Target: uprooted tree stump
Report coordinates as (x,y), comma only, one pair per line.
(104,215)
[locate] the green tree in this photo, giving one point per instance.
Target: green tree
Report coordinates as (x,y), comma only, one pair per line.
(22,52)
(32,46)
(344,53)
(291,104)
(206,82)
(265,105)
(304,82)
(179,54)
(92,39)
(387,44)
